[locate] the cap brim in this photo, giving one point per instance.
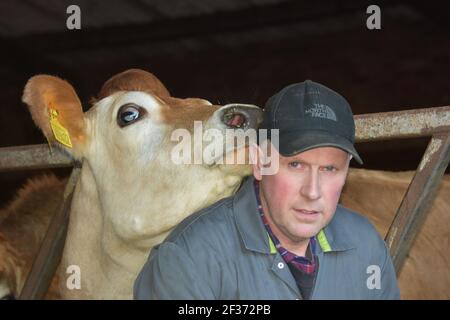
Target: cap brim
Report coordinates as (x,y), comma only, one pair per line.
(292,143)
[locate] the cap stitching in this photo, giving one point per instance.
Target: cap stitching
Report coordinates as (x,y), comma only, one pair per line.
(279,99)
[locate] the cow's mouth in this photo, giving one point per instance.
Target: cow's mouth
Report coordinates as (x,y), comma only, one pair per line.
(235,119)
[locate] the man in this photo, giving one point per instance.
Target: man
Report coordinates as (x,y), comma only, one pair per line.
(282,235)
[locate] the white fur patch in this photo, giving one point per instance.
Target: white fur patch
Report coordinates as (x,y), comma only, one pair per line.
(4,289)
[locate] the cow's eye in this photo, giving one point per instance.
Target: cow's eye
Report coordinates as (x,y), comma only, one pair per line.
(128,114)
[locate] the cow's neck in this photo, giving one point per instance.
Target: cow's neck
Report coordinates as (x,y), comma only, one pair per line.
(114,225)
(88,242)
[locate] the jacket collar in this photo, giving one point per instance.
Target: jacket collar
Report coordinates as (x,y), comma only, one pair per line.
(335,236)
(249,223)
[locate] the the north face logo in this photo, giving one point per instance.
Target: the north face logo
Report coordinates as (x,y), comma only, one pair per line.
(321,111)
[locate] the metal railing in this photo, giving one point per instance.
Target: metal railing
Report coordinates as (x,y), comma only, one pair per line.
(434,123)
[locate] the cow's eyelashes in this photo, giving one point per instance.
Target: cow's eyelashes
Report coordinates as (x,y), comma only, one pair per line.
(129,113)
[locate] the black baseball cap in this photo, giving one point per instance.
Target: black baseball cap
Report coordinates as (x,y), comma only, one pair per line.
(310,115)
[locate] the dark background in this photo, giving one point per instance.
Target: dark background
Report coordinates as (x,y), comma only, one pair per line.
(231,51)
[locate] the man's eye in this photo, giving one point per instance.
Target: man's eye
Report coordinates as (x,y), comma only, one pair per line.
(330,168)
(295,164)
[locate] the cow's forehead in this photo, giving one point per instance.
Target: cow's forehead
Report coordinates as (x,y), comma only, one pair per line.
(172,111)
(183,112)
(142,99)
(111,104)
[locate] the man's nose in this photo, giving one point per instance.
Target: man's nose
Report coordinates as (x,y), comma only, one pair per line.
(311,185)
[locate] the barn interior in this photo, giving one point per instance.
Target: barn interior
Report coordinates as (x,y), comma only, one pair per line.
(230,51)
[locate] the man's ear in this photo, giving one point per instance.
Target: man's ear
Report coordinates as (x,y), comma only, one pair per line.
(56,110)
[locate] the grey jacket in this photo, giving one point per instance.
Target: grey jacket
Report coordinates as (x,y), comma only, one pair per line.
(224,252)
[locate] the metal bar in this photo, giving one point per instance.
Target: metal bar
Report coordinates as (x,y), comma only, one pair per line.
(418,198)
(32,157)
(50,252)
(402,124)
(369,127)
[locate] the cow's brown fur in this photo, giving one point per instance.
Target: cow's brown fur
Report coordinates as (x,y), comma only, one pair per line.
(23,225)
(57,94)
(134,80)
(377,194)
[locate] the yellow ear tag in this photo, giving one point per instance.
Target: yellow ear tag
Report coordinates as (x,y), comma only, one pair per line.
(61,134)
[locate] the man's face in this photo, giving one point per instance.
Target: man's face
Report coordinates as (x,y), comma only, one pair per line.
(301,198)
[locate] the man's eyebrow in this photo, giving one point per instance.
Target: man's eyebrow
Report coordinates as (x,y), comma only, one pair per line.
(299,160)
(331,163)
(296,160)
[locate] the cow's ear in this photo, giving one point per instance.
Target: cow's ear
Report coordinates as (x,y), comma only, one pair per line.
(56,110)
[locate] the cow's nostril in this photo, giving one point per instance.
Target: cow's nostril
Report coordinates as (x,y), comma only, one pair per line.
(235,119)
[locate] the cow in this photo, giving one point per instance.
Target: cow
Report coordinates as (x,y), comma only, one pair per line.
(133,188)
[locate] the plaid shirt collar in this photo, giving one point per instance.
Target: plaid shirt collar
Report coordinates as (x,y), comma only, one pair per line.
(302,263)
